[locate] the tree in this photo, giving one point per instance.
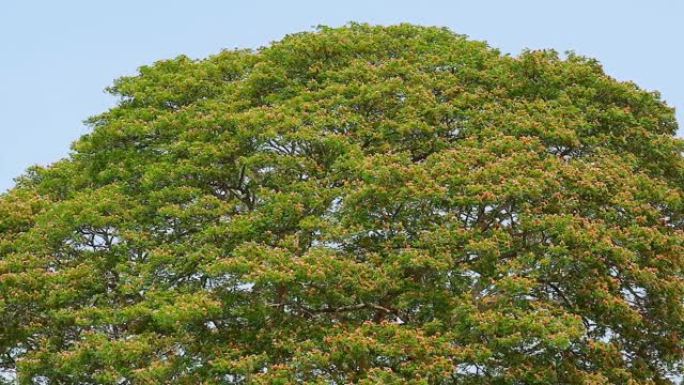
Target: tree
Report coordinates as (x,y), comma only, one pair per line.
(373,205)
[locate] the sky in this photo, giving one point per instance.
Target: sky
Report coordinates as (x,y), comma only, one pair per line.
(57,57)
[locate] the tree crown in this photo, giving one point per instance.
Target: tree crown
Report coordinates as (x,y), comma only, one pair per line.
(362,204)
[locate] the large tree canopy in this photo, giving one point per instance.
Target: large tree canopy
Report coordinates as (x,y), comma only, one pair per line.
(374,205)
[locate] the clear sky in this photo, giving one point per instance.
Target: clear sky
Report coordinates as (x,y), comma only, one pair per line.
(56,57)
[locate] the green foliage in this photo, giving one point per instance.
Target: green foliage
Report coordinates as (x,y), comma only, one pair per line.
(372,205)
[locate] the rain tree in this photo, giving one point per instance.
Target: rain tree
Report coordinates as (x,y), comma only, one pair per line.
(372,205)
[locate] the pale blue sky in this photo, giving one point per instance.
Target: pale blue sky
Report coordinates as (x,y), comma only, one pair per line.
(56,57)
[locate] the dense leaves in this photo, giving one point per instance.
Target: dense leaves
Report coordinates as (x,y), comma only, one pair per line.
(395,205)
